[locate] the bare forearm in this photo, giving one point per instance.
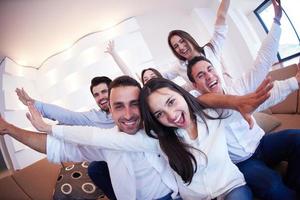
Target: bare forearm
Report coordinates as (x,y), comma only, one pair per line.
(213,100)
(222,12)
(122,65)
(34,140)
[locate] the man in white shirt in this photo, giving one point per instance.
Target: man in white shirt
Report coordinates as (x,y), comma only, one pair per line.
(97,171)
(252,150)
(134,175)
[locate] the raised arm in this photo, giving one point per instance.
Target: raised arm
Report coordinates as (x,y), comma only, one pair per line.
(34,140)
(122,65)
(222,12)
(62,115)
(266,56)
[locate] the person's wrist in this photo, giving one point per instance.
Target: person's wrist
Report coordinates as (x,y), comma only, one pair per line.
(277,20)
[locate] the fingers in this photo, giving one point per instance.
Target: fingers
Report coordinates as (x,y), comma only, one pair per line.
(28,116)
(33,111)
(263,85)
(249,120)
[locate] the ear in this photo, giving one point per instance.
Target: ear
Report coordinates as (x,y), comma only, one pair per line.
(109,107)
(195,85)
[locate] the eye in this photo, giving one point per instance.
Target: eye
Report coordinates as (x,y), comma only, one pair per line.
(171,102)
(210,69)
(158,115)
(135,103)
(200,76)
(118,107)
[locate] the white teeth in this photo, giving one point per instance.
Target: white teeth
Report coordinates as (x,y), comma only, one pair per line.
(177,119)
(129,123)
(212,84)
(103,101)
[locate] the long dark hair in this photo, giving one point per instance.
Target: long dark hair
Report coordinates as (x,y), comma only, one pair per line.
(155,71)
(187,37)
(180,158)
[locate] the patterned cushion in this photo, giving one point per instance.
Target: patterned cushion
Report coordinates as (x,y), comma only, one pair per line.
(73,182)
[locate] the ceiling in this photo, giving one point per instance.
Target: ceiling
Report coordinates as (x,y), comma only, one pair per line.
(33,30)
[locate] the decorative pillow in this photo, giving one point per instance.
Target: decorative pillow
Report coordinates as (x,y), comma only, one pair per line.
(266,122)
(73,182)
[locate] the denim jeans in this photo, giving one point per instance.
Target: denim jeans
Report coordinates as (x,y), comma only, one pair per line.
(240,193)
(98,172)
(266,183)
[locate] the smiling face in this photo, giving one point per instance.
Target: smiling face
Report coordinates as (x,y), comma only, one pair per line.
(100,94)
(206,78)
(148,75)
(124,107)
(183,47)
(169,108)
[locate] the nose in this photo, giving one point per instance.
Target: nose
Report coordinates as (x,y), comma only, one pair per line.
(171,116)
(181,46)
(128,113)
(208,76)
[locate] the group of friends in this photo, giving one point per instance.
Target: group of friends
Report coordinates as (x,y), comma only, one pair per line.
(162,141)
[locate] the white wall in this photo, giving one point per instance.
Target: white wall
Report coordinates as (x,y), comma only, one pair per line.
(64,79)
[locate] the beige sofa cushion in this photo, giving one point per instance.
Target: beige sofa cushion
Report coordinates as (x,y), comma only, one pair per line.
(266,122)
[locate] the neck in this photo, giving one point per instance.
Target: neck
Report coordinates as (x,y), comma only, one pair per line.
(192,129)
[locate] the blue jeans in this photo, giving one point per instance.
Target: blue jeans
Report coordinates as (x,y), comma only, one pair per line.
(98,172)
(240,193)
(266,183)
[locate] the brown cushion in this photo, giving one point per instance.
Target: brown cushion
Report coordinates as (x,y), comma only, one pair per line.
(266,122)
(288,121)
(38,180)
(10,190)
(288,106)
(73,182)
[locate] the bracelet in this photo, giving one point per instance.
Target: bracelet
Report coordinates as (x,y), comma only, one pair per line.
(277,21)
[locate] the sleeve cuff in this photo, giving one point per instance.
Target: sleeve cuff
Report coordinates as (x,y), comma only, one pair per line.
(293,83)
(57,131)
(52,145)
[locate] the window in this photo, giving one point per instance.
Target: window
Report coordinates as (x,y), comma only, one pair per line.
(289,44)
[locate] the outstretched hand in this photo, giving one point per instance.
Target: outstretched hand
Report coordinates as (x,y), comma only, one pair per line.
(36,119)
(277,9)
(23,96)
(110,47)
(249,102)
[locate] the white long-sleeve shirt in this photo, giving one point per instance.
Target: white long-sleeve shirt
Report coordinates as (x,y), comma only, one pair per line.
(134,175)
(213,179)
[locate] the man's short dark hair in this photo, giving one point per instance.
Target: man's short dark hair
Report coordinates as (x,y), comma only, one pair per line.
(191,65)
(99,79)
(123,81)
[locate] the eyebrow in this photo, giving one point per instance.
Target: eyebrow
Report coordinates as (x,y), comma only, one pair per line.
(117,103)
(201,72)
(168,100)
